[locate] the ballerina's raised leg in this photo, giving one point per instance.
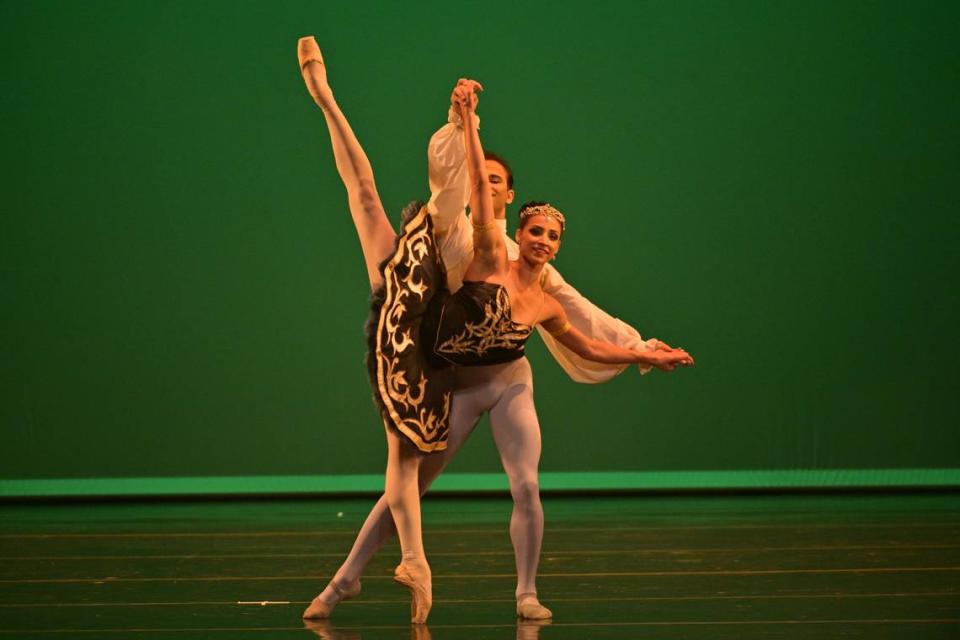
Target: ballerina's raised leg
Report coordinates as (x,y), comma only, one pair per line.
(377,238)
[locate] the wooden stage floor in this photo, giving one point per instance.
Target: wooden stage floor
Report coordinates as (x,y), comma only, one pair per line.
(781,567)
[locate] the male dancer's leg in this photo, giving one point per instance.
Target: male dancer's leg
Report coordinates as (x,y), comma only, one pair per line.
(516,432)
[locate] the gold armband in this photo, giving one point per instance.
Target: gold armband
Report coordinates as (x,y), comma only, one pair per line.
(562,330)
(484,226)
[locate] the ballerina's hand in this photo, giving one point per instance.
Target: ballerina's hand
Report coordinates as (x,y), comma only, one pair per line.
(313,69)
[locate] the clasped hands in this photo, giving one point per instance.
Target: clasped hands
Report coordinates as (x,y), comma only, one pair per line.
(667,358)
(464,98)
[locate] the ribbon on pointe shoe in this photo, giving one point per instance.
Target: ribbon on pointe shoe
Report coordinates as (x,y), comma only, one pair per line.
(321,609)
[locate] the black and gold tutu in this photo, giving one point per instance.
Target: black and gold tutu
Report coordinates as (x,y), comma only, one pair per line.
(417,331)
(411,386)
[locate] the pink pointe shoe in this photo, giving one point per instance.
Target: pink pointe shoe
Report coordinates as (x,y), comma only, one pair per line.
(320,609)
(529,608)
(308,51)
(416,578)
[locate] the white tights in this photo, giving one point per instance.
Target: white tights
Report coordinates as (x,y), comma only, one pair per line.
(506,392)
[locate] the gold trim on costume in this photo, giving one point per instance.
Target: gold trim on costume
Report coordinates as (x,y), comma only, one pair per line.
(562,330)
(395,390)
(496,331)
(485,226)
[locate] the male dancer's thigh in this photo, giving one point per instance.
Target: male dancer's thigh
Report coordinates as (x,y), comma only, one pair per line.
(514,425)
(466,407)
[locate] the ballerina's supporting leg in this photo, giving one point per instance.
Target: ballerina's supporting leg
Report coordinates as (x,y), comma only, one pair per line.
(402,492)
(414,572)
(378,526)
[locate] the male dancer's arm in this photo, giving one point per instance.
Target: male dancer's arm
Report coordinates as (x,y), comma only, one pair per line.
(449,195)
(450,192)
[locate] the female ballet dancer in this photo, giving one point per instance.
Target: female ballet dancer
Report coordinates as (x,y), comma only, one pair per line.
(403,384)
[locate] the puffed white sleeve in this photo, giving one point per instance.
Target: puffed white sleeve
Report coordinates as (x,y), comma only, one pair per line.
(449,194)
(447,170)
(593,322)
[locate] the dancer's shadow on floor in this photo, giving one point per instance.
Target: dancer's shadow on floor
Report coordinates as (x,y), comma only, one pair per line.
(526,630)
(530,629)
(326,631)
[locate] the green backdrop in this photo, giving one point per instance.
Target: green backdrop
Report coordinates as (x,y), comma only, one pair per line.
(771,185)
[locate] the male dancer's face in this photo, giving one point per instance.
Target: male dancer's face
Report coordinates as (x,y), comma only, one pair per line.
(502,194)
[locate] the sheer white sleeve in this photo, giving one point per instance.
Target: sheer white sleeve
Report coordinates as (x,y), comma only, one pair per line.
(449,195)
(447,169)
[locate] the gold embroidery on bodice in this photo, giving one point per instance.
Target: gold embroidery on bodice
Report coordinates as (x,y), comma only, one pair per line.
(496,330)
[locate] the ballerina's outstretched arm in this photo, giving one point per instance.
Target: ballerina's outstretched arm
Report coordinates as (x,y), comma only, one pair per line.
(373,227)
(662,356)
